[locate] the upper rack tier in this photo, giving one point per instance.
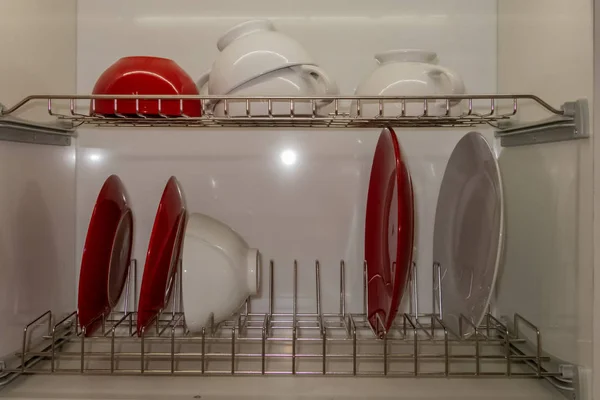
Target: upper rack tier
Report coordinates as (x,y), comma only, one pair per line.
(278,111)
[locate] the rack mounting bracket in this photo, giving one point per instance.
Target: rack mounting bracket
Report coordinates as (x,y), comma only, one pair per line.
(574,124)
(13,129)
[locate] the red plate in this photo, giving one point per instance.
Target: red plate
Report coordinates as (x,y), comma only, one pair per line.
(106,255)
(163,254)
(389,232)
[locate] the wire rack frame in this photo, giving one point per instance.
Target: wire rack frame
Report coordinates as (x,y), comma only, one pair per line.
(279,111)
(270,343)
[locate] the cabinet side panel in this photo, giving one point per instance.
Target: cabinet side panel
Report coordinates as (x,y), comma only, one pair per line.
(37,199)
(545,47)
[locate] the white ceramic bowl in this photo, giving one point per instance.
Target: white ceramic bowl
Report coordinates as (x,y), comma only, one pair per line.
(249,50)
(220,271)
(304,80)
(408,73)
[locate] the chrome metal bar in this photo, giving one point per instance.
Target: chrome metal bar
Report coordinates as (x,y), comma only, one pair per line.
(354,345)
(476,336)
(271,284)
(365,308)
(142,349)
(294,340)
(295,292)
(82,365)
(342,288)
(135,288)
(437,289)
(415,344)
(324,349)
(203,350)
(233,351)
(446,347)
(264,344)
(414,294)
(53,345)
(26,329)
(128,283)
(505,333)
(518,319)
(318,283)
(112,341)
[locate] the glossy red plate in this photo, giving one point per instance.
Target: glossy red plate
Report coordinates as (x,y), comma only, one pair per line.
(163,254)
(389,231)
(106,255)
(146,75)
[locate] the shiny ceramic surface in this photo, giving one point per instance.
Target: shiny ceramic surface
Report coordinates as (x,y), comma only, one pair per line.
(389,232)
(248,51)
(303,80)
(409,73)
(163,254)
(220,271)
(293,193)
(469,232)
(106,255)
(146,75)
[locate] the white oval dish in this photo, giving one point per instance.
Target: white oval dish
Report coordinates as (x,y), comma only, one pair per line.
(220,271)
(302,80)
(249,50)
(408,73)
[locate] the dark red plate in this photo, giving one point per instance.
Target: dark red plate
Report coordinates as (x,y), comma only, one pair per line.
(389,232)
(106,255)
(163,254)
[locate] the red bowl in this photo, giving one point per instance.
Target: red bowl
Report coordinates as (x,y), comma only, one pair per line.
(146,75)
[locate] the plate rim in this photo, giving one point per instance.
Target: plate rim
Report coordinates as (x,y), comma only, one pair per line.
(113,191)
(501,228)
(399,288)
(152,264)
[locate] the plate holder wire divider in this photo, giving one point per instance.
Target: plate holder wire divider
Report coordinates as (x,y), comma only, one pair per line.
(342,343)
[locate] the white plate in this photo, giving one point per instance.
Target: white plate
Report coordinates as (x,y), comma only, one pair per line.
(469,232)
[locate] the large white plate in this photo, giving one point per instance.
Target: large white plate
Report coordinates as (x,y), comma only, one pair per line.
(469,232)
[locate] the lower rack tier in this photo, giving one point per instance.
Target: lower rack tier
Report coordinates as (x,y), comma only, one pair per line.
(299,344)
(284,344)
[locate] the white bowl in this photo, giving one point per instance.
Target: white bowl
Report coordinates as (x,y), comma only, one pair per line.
(249,50)
(304,80)
(408,73)
(220,271)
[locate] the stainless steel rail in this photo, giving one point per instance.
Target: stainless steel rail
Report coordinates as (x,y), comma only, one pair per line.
(344,111)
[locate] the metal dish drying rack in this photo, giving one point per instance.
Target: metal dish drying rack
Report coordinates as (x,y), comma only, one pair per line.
(343,112)
(293,343)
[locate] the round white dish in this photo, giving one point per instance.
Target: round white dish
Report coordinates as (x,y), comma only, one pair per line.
(408,73)
(249,50)
(220,271)
(302,80)
(469,232)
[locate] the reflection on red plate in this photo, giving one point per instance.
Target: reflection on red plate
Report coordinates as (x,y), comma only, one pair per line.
(106,255)
(146,75)
(389,231)
(163,255)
